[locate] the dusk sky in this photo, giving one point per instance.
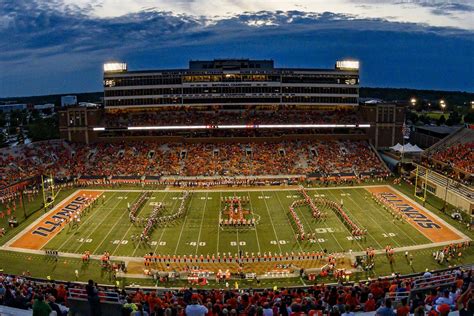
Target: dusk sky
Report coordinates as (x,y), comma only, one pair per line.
(59,46)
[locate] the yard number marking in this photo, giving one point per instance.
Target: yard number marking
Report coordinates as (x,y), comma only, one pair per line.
(120,242)
(161,243)
(313,241)
(241,243)
(354,237)
(194,243)
(276,242)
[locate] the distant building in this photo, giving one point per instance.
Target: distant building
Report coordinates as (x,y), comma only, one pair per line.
(88,104)
(67,100)
(13,107)
(44,106)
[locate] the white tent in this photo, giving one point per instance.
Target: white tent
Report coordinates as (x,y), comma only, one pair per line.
(397,147)
(417,149)
(407,148)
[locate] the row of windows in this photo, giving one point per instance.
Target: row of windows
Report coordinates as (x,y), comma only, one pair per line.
(158,80)
(231,78)
(158,101)
(230,90)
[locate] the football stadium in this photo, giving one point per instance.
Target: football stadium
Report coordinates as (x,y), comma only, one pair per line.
(242,186)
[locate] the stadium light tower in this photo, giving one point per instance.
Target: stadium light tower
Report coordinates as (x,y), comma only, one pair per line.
(413,101)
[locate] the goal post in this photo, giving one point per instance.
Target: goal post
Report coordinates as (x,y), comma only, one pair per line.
(423,179)
(49,194)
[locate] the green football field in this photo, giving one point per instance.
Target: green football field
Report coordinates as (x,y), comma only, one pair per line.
(107,227)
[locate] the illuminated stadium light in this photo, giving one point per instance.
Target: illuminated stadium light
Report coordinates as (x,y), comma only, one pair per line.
(347,64)
(149,128)
(269,126)
(115,67)
(98,129)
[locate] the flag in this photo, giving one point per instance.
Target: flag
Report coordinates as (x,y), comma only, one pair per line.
(406,131)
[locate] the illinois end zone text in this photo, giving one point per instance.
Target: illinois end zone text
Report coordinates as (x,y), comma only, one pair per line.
(63,213)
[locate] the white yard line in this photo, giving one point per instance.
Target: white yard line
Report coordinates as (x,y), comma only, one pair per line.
(358,222)
(334,237)
(108,233)
(202,220)
(255,228)
(291,226)
(350,233)
(164,226)
(89,217)
(463,237)
(139,241)
(218,222)
(271,221)
(460,234)
(99,225)
(38,220)
(140,259)
(184,224)
(386,215)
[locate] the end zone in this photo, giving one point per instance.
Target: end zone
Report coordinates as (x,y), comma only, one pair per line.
(36,235)
(427,223)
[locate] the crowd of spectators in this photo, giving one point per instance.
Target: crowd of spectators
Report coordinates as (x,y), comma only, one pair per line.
(383,296)
(223,117)
(326,158)
(460,156)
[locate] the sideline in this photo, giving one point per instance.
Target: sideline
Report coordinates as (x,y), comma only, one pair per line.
(8,245)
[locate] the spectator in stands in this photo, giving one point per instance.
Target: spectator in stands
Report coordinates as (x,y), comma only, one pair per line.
(403,309)
(40,307)
(440,310)
(93,298)
(352,300)
(369,306)
(129,306)
(2,293)
(444,299)
(347,311)
(386,309)
(196,308)
(467,296)
(468,309)
(139,311)
(418,301)
(55,307)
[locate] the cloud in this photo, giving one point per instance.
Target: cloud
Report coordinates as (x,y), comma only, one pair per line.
(52,47)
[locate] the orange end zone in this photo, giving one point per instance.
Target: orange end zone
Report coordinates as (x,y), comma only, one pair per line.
(432,228)
(48,227)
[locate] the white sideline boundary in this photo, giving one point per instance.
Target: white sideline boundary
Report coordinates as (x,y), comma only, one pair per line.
(39,219)
(7,245)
